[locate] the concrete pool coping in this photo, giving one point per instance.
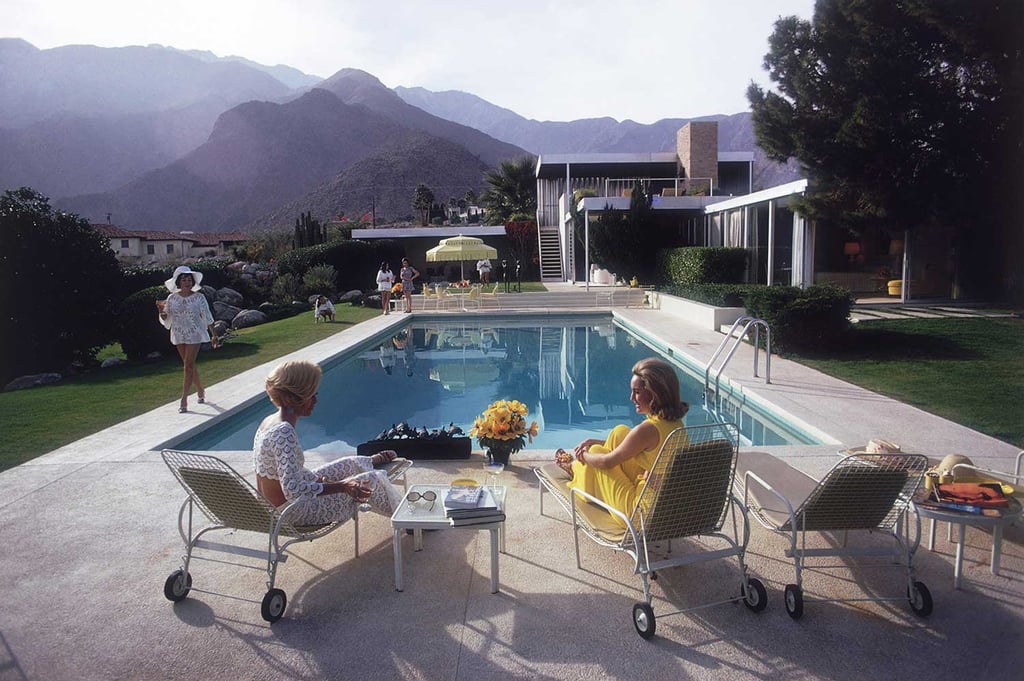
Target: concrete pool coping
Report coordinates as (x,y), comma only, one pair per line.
(90,536)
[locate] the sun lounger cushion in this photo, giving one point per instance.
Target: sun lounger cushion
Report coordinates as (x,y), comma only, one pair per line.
(851,497)
(598,519)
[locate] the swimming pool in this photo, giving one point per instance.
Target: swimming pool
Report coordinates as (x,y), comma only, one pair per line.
(572,375)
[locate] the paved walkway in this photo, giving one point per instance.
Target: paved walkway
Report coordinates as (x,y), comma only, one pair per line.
(90,537)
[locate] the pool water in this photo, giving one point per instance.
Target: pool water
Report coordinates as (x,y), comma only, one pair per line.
(573,376)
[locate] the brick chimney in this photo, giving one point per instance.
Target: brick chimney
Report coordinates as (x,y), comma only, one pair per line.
(697,148)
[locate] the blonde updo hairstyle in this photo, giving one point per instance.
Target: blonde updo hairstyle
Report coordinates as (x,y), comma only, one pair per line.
(293,383)
(660,378)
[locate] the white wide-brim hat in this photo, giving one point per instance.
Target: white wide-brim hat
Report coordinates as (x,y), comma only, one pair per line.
(184,269)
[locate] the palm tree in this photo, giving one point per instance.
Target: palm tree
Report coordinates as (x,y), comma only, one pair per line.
(512,189)
(422,201)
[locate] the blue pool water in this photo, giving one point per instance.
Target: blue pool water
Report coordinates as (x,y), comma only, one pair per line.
(573,377)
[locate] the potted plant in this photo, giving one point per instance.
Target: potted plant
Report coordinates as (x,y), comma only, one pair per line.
(502,430)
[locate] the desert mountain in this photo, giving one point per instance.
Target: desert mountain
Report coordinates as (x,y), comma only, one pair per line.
(259,156)
(81,119)
(358,87)
(381,184)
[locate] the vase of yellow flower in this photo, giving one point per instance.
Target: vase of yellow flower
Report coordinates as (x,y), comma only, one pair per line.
(502,429)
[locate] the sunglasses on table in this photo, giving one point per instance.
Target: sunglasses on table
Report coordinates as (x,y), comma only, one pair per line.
(429,495)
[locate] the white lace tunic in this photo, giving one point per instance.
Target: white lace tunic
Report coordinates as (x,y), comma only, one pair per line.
(188,318)
(277,455)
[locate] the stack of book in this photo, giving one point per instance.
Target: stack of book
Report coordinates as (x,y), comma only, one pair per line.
(471,505)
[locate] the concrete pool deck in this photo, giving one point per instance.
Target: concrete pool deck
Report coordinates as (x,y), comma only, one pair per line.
(90,536)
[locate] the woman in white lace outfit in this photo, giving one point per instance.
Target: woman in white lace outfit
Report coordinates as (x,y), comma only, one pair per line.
(385,279)
(328,493)
(187,314)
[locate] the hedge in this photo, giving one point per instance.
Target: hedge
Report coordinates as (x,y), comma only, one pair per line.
(814,318)
(703,265)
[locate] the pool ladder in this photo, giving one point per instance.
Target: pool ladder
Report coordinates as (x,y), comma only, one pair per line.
(748,322)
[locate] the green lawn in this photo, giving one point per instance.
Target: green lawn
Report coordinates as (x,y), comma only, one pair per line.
(970,371)
(39,420)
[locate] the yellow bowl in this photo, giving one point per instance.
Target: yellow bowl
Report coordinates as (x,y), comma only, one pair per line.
(464,482)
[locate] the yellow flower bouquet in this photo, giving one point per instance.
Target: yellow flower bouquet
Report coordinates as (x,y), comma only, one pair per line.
(502,429)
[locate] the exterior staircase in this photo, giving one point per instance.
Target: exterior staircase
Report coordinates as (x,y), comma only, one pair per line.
(550,255)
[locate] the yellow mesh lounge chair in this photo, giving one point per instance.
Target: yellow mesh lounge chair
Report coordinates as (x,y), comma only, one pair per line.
(865,492)
(491,296)
(688,494)
(229,502)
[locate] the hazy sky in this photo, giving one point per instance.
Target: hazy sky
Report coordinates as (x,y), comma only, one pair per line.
(548,60)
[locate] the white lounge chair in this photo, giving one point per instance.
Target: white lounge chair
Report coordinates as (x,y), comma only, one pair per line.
(230,502)
(688,494)
(866,492)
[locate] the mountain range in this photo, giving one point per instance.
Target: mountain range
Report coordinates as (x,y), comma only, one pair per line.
(160,138)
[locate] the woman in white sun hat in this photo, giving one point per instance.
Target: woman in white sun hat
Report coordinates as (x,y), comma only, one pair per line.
(187,314)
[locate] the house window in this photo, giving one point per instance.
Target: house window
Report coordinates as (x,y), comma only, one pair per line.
(150,249)
(170,248)
(124,243)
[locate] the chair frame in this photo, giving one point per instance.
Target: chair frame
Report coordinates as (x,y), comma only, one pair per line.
(493,295)
(230,502)
(862,492)
(689,494)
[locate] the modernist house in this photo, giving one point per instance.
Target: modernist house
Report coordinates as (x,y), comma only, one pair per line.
(151,247)
(707,195)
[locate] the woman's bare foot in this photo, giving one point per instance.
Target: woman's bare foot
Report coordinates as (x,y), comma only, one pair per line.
(564,461)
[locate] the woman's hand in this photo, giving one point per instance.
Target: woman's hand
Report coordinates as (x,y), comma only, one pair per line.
(584,446)
(357,490)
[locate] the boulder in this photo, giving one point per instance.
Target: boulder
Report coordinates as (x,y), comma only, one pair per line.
(224,312)
(353,297)
(247,318)
(31,381)
(111,362)
(221,328)
(230,296)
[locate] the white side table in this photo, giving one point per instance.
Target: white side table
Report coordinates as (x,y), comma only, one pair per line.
(962,519)
(418,516)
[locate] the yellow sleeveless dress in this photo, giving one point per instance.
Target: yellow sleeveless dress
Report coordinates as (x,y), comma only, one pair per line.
(619,487)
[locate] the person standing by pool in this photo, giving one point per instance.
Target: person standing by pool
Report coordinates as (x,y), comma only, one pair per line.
(187,315)
(483,267)
(385,279)
(614,469)
(328,493)
(407,274)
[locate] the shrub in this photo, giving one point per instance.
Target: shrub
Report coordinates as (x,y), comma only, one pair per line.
(815,318)
(320,279)
(297,261)
(139,332)
(59,284)
(703,265)
(286,288)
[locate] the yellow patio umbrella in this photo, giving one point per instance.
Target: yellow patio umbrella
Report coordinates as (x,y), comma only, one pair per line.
(461,248)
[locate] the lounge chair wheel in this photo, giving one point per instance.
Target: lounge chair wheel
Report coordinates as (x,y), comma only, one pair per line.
(273,605)
(920,599)
(179,584)
(643,620)
(757,596)
(794,601)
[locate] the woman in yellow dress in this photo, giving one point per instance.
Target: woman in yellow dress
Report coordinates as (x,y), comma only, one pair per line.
(613,470)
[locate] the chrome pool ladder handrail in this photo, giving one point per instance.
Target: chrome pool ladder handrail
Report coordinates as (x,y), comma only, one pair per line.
(748,321)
